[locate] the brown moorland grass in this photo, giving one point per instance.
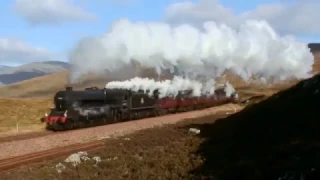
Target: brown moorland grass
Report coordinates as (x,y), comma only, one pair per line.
(278,137)
(25,112)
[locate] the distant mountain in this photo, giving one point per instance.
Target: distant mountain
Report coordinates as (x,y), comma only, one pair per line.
(3,67)
(314,47)
(9,75)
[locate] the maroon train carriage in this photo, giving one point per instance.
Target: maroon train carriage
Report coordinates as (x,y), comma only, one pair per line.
(93,106)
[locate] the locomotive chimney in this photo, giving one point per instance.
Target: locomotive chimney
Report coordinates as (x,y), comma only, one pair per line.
(69,88)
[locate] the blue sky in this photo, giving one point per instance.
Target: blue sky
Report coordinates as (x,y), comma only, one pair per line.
(59,38)
(62,37)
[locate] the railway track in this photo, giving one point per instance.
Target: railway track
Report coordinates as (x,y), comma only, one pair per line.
(24,136)
(32,135)
(14,162)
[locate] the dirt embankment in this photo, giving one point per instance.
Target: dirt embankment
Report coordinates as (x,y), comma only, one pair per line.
(268,140)
(167,152)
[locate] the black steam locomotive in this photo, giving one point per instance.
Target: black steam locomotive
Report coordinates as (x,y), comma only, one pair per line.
(94,106)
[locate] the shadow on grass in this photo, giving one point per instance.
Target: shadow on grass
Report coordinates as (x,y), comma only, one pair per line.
(278,137)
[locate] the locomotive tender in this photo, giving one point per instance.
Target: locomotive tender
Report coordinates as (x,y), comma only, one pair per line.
(93,106)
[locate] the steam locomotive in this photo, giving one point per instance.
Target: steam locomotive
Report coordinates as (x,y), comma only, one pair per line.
(94,106)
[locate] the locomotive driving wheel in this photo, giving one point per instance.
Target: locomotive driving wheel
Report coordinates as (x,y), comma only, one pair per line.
(70,125)
(115,117)
(56,127)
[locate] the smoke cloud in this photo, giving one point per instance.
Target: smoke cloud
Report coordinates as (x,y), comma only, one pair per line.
(254,49)
(91,111)
(170,87)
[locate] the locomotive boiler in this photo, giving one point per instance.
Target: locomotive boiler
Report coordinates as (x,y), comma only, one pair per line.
(93,106)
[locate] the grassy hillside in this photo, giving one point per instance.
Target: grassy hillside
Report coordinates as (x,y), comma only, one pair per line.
(47,85)
(24,112)
(44,85)
(17,74)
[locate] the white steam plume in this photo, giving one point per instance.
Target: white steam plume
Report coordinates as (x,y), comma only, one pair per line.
(170,87)
(254,49)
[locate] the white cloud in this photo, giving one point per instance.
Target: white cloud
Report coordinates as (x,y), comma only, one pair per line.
(17,51)
(298,17)
(38,12)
